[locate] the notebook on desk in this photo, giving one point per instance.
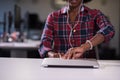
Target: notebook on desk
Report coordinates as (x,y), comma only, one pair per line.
(70,63)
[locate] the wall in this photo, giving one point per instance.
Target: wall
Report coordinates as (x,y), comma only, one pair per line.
(43,8)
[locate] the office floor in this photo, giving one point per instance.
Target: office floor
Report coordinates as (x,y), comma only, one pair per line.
(30,53)
(33,54)
(107,55)
(4,53)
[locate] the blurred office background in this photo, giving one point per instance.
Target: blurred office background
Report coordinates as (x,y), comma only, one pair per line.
(28,17)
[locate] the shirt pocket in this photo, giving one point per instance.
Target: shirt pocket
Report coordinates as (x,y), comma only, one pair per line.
(87,28)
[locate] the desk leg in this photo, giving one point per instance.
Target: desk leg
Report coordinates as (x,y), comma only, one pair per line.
(18,53)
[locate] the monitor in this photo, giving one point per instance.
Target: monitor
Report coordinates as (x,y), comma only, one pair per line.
(17,17)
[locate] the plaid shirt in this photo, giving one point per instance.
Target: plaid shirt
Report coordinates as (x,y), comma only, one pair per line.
(56,34)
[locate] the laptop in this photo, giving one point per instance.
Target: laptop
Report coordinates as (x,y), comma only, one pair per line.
(70,63)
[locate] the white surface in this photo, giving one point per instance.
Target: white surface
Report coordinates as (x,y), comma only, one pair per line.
(30,69)
(19,45)
(19,49)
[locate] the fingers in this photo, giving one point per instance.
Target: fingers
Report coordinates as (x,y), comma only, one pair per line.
(77,56)
(69,54)
(55,55)
(50,54)
(74,53)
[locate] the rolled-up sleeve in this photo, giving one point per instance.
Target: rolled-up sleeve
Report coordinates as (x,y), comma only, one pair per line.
(47,37)
(106,28)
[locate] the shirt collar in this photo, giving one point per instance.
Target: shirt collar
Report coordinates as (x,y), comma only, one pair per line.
(66,8)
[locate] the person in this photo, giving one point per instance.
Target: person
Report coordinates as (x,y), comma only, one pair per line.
(73,31)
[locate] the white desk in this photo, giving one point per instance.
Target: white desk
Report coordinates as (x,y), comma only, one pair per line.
(19,49)
(30,69)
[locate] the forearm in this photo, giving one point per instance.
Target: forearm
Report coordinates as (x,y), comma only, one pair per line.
(45,46)
(96,40)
